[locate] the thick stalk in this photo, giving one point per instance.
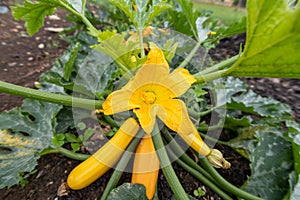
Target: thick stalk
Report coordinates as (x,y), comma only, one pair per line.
(205,78)
(222,65)
(115,177)
(200,177)
(179,151)
(49,97)
(225,184)
(167,168)
(89,25)
(209,171)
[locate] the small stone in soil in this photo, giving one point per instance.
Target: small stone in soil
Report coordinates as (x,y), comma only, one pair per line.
(30,59)
(12,64)
(54,17)
(41,46)
(14,30)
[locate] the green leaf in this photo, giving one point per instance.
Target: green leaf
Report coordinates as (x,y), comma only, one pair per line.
(75,146)
(250,102)
(70,137)
(64,120)
(273,41)
(29,131)
(233,29)
(145,10)
(126,6)
(120,51)
(128,191)
(170,49)
(95,73)
(271,163)
(294,193)
(77,5)
(81,126)
(33,14)
(190,14)
(58,140)
(87,134)
(146,16)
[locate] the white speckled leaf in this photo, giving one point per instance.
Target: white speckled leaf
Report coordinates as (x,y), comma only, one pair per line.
(271,163)
(29,131)
(128,191)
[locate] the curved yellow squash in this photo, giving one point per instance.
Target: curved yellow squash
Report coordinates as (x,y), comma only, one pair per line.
(101,161)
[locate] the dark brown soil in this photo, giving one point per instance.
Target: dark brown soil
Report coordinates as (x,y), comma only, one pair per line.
(23,60)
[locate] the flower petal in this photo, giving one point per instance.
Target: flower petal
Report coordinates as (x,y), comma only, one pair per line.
(179,81)
(148,74)
(156,56)
(195,141)
(118,101)
(146,116)
(174,114)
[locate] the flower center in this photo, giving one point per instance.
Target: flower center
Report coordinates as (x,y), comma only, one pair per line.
(148,97)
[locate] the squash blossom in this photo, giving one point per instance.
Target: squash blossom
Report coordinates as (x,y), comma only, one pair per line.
(153,93)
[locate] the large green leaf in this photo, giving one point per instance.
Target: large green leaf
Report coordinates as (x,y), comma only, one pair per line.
(190,14)
(271,163)
(34,12)
(95,72)
(273,41)
(128,191)
(29,131)
(250,102)
(294,135)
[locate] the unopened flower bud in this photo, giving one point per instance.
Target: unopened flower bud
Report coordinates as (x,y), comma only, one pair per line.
(217,160)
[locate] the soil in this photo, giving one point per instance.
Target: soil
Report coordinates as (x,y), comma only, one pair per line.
(24,58)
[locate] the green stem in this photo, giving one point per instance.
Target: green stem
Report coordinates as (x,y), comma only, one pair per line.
(128,73)
(225,184)
(200,177)
(110,121)
(222,65)
(115,177)
(65,152)
(210,128)
(49,97)
(140,32)
(204,78)
(90,26)
(190,56)
(179,151)
(167,168)
(203,113)
(214,139)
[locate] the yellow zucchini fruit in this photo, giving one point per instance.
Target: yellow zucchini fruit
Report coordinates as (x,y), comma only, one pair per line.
(105,158)
(146,166)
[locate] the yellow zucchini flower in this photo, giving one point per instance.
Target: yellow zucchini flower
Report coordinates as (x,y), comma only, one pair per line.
(153,93)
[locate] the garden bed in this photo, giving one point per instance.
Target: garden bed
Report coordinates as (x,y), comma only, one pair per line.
(24,58)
